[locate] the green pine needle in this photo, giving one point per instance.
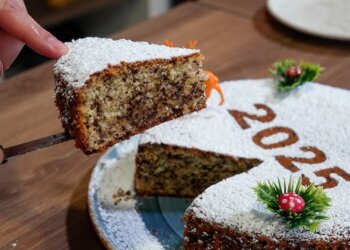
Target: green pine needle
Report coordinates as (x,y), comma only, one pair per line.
(309,73)
(316,202)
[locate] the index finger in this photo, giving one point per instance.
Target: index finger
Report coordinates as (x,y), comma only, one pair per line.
(15,20)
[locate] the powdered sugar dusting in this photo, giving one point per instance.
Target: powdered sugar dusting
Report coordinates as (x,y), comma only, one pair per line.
(319,116)
(317,113)
(120,224)
(90,55)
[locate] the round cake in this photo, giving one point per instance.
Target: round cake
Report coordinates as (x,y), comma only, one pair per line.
(300,133)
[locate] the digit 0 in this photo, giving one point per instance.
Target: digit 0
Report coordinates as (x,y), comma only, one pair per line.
(291,137)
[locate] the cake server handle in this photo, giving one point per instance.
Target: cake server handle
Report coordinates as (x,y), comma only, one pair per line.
(34,145)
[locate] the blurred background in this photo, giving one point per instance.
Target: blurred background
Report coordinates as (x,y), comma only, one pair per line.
(72,19)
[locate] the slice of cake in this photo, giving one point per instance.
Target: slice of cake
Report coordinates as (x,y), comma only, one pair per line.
(108,90)
(301,133)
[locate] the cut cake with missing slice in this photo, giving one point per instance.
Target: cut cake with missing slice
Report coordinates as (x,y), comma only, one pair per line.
(272,135)
(108,90)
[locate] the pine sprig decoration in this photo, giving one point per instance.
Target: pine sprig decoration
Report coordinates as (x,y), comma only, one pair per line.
(288,75)
(316,202)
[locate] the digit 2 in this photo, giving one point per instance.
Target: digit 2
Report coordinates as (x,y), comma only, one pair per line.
(241,116)
(287,162)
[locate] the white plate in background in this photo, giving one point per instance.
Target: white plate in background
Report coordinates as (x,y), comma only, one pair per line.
(324,18)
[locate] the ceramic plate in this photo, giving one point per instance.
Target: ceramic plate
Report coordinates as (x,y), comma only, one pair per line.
(123,220)
(324,18)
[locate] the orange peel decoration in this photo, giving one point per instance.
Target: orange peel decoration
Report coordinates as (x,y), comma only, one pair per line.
(169,43)
(213,83)
(192,44)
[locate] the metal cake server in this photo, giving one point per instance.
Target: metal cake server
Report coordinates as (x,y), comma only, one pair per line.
(34,145)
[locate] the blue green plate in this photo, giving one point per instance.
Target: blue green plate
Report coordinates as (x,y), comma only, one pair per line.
(134,222)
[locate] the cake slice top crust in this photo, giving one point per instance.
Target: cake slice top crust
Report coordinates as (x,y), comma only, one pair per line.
(87,56)
(301,132)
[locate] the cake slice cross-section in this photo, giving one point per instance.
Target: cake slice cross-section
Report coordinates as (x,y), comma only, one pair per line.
(108,90)
(185,156)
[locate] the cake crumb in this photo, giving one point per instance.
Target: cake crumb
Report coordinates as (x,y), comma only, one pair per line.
(122,195)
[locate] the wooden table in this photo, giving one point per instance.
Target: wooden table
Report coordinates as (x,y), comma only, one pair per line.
(49,16)
(43,194)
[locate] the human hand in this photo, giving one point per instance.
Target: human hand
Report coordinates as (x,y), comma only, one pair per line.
(1,154)
(17,28)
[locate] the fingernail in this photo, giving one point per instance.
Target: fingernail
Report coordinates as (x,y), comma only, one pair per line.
(58,45)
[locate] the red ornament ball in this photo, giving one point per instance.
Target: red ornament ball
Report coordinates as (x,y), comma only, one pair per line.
(293,72)
(291,202)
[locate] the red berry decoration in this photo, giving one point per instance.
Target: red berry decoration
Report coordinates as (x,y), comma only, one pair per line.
(288,200)
(293,72)
(291,202)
